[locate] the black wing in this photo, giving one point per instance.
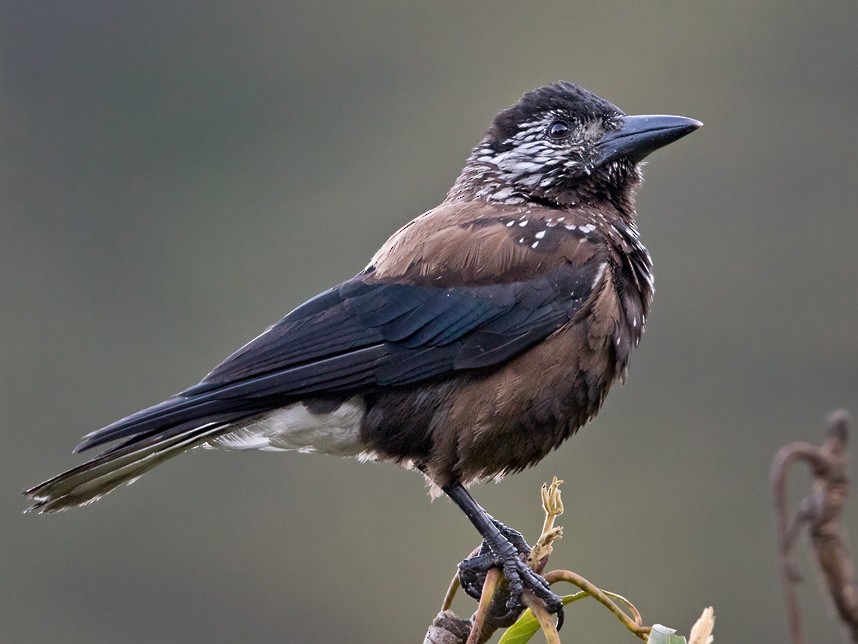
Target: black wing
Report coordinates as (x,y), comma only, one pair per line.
(365,335)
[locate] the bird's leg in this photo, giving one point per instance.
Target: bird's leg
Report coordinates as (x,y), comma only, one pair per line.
(501,547)
(513,536)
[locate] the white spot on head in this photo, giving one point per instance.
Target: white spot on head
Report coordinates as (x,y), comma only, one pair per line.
(523,167)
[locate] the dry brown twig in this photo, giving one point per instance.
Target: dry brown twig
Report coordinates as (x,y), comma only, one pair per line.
(820,511)
(447,628)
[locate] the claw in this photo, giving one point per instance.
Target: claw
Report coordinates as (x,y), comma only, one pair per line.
(526,578)
(472,573)
(505,553)
(560,615)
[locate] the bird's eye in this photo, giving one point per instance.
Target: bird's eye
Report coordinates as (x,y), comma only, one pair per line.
(558,130)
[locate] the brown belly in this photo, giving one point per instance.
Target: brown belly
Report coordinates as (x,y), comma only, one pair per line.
(481,425)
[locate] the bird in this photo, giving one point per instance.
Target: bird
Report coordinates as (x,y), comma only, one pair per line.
(479,337)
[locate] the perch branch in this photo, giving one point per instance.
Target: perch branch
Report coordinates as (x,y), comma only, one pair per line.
(446,628)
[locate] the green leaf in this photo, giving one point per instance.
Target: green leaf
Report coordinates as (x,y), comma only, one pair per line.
(523,629)
(664,635)
(526,626)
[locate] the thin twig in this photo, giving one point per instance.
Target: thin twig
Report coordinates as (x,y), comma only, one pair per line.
(450,595)
(455,584)
(820,510)
(546,621)
(636,616)
(783,458)
(602,597)
(489,587)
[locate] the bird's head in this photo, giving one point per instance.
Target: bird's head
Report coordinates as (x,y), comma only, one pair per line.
(561,145)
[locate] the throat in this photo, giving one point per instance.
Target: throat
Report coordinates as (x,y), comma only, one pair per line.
(616,184)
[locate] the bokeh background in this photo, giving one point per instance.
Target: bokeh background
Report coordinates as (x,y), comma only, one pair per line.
(176,176)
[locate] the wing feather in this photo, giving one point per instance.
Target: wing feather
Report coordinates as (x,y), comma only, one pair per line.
(365,335)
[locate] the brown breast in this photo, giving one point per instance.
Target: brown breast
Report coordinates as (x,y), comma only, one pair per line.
(485,423)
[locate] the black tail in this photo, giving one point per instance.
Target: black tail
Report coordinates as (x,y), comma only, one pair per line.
(151,436)
(92,480)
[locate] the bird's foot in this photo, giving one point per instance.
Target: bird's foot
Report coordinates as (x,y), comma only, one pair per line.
(505,552)
(472,571)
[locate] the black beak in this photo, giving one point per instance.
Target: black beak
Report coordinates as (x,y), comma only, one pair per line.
(640,135)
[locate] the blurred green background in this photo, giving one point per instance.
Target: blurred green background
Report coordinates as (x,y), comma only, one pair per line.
(176,176)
